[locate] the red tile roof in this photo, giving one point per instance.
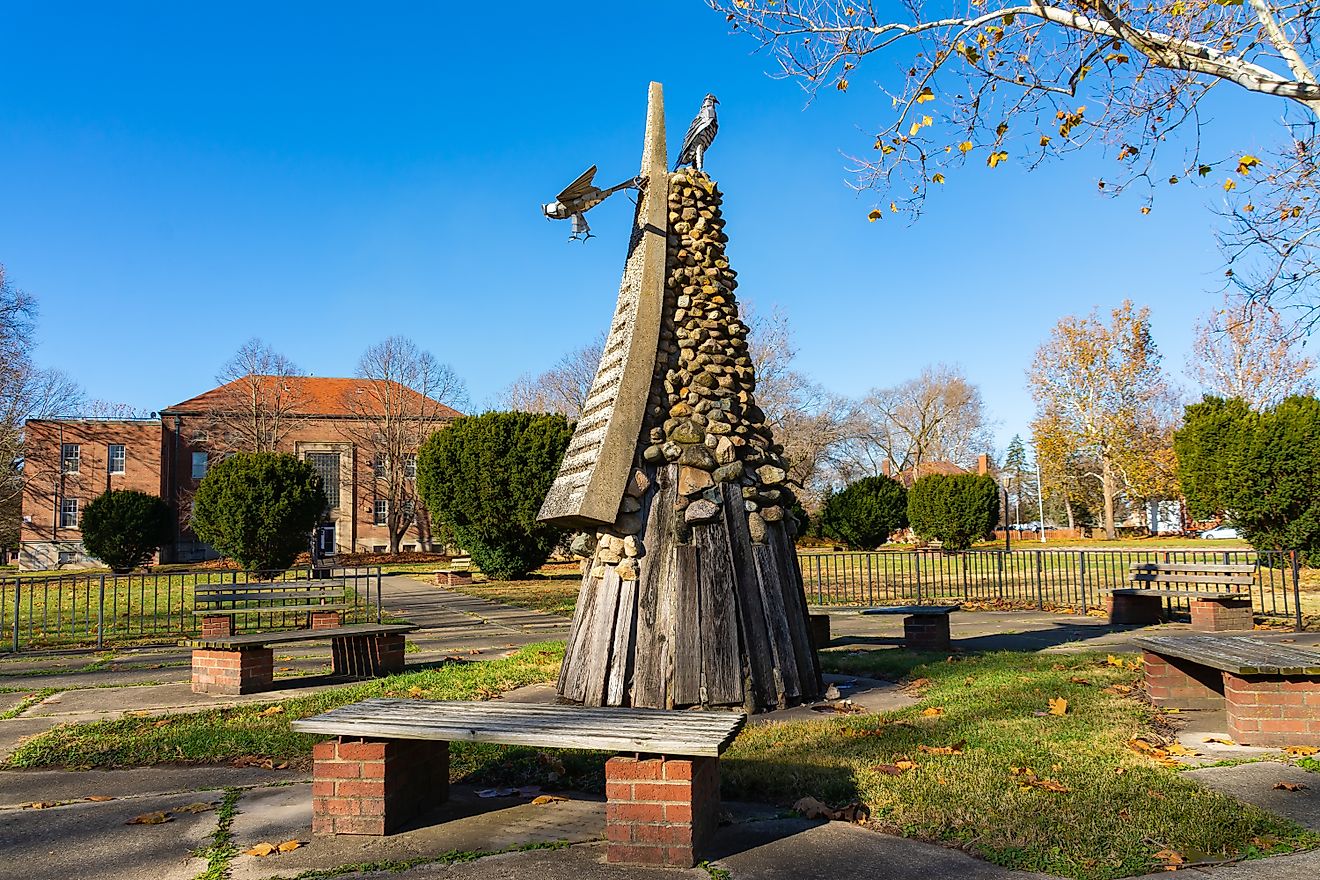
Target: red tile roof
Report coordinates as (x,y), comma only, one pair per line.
(316,396)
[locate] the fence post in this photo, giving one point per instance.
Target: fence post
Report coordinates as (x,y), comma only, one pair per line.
(378,617)
(1000,557)
(1040,597)
(916,556)
(18,609)
(100,615)
(1297,592)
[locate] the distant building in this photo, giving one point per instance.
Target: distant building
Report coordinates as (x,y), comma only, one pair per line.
(334,424)
(908,476)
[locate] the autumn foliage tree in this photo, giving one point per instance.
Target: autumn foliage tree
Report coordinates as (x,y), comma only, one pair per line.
(994,82)
(1245,350)
(1100,394)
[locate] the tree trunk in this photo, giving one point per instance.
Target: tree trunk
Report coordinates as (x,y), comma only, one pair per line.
(1067,508)
(1107,487)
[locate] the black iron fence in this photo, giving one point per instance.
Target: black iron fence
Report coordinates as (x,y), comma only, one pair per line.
(1076,579)
(80,609)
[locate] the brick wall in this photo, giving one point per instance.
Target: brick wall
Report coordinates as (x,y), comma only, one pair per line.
(1221,615)
(1171,681)
(926,632)
(232,672)
(1273,710)
(660,811)
(375,787)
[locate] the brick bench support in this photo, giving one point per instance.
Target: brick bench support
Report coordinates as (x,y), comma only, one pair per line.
(367,656)
(1273,710)
(243,671)
(1219,614)
(326,619)
(926,632)
(217,626)
(368,786)
(660,810)
(1174,682)
(1130,609)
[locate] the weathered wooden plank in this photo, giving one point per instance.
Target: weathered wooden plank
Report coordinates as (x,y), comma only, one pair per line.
(596,646)
(795,604)
(1240,655)
(529,724)
(910,610)
(776,617)
(1234,580)
(621,649)
(655,601)
(721,650)
(572,680)
(299,635)
(751,616)
(269,609)
(1204,594)
(1193,567)
(687,628)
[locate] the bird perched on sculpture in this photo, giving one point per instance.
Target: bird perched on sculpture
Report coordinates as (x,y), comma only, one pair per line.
(579,197)
(699,136)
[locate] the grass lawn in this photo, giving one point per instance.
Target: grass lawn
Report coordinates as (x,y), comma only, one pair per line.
(978,763)
(552,589)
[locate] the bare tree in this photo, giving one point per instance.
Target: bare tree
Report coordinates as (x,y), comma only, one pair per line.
(938,416)
(108,409)
(1244,350)
(259,400)
(561,389)
(998,81)
(406,394)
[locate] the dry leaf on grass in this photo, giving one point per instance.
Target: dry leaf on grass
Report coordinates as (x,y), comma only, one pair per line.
(548,799)
(271,710)
(1222,740)
(918,682)
(1170,860)
(415,692)
(955,749)
(1119,689)
(932,711)
(810,808)
(1290,786)
(1179,749)
(1076,680)
(1027,778)
(1301,751)
(1058,706)
(157,818)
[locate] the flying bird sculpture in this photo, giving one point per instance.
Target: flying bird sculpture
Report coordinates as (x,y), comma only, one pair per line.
(581,196)
(699,136)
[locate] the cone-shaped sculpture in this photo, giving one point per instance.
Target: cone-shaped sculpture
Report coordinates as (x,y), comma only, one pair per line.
(691,593)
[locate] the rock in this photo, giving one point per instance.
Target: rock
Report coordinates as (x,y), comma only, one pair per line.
(773,514)
(654,454)
(693,480)
(608,555)
(756,526)
(637,485)
(632,547)
(687,432)
(719,428)
(584,544)
(701,511)
(770,474)
(698,456)
(750,506)
(680,411)
(725,453)
(627,570)
(598,572)
(671,451)
(728,473)
(629,524)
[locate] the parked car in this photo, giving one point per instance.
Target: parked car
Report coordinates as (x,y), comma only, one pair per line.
(1219,532)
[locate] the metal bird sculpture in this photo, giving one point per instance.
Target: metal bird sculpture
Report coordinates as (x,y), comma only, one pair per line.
(699,136)
(579,197)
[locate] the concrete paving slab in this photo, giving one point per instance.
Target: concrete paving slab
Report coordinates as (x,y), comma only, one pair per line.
(465,823)
(90,841)
(581,862)
(1299,866)
(13,732)
(9,701)
(1255,783)
(18,787)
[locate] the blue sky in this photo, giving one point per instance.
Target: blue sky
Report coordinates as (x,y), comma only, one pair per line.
(176,178)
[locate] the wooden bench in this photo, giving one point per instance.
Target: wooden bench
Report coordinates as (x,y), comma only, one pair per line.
(1220,594)
(925,628)
(246,664)
(323,601)
(1271,691)
(389,763)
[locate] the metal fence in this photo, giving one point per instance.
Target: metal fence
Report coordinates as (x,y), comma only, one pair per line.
(1074,579)
(79,609)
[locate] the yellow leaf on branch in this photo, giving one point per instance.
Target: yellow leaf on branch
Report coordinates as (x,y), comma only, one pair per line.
(996,158)
(938,178)
(1246,163)
(874,215)
(925,95)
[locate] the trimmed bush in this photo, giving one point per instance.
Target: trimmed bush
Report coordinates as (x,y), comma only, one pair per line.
(486,476)
(259,508)
(865,513)
(124,528)
(954,509)
(1204,446)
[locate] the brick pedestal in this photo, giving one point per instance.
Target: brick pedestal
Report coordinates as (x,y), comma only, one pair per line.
(1136,609)
(376,786)
(1273,710)
(326,619)
(1221,615)
(661,811)
(216,626)
(820,629)
(1178,683)
(926,632)
(453,578)
(245,671)
(367,656)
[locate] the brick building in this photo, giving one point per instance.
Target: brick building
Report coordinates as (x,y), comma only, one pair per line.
(360,435)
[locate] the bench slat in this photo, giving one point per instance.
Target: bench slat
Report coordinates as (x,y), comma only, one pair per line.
(1204,594)
(256,640)
(655,731)
(268,609)
(307,595)
(270,585)
(1240,655)
(1166,578)
(1194,567)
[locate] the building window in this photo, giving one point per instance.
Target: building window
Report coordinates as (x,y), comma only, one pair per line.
(70,458)
(378,465)
(378,548)
(326,465)
(410,465)
(409,510)
(68,513)
(379,511)
(115,456)
(198,465)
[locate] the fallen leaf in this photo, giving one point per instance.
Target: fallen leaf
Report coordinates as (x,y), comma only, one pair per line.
(955,749)
(1058,706)
(1114,661)
(810,808)
(415,692)
(1222,740)
(548,799)
(40,805)
(1179,749)
(918,682)
(1120,689)
(289,845)
(1170,858)
(932,711)
(1052,785)
(98,797)
(157,818)
(1301,751)
(261,850)
(271,710)
(198,807)
(1076,680)
(1290,786)
(887,769)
